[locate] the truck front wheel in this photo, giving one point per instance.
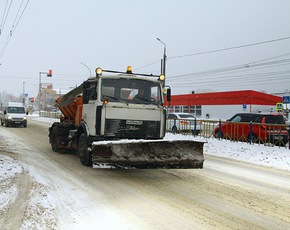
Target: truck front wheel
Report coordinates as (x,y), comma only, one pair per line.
(53,139)
(84,155)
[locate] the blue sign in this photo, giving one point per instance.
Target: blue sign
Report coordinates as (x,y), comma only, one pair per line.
(244,106)
(286,99)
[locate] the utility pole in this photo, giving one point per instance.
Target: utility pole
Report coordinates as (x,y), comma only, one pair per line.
(163,61)
(23,94)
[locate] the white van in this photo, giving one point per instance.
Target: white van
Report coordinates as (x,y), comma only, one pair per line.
(13,114)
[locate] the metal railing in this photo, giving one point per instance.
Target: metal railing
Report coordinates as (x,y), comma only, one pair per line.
(50,114)
(196,127)
(252,133)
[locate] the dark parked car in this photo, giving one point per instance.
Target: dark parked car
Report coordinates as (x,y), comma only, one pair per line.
(266,128)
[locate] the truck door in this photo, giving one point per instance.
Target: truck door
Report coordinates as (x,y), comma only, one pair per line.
(90,96)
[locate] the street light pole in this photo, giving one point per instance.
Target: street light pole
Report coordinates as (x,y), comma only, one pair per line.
(23,94)
(163,69)
(87,68)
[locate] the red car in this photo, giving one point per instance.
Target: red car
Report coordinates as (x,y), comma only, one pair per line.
(255,128)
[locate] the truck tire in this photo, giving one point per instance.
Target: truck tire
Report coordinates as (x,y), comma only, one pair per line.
(2,122)
(53,139)
(84,155)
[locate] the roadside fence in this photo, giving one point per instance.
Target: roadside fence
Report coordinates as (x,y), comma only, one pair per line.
(50,114)
(252,133)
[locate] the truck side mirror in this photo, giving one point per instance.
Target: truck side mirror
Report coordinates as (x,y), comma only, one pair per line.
(168,94)
(5,112)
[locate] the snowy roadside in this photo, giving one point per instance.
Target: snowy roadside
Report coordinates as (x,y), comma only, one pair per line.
(23,193)
(258,154)
(270,156)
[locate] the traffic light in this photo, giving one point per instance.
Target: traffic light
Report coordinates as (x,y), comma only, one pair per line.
(49,73)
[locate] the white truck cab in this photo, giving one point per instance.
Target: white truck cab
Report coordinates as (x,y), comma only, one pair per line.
(13,114)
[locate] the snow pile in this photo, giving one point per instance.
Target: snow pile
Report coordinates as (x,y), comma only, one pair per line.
(270,156)
(40,211)
(259,154)
(9,168)
(21,193)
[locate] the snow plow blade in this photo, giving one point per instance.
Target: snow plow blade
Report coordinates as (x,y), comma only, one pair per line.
(183,154)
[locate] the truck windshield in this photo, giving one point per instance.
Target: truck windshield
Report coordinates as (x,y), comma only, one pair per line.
(136,91)
(16,110)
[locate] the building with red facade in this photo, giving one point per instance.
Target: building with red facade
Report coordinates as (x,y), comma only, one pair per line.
(223,105)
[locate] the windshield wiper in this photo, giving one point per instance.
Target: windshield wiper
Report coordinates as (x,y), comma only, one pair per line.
(115,98)
(148,101)
(144,99)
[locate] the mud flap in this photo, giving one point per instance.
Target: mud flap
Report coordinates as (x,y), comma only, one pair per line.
(150,154)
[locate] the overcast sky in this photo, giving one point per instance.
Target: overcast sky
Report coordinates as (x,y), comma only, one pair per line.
(211,45)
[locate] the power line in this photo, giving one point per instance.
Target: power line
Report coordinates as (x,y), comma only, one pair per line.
(229,76)
(148,65)
(233,79)
(14,26)
(5,15)
(230,48)
(244,77)
(270,58)
(219,50)
(244,67)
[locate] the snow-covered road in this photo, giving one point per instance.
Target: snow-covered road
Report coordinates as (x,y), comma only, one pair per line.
(54,191)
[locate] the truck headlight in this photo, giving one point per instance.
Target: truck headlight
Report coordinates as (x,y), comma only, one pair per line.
(9,118)
(24,118)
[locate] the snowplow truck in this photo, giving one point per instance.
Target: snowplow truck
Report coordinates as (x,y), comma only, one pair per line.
(118,119)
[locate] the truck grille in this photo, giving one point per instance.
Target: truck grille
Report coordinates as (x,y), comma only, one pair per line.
(116,128)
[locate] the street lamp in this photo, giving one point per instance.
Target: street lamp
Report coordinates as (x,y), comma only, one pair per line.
(87,68)
(163,64)
(48,74)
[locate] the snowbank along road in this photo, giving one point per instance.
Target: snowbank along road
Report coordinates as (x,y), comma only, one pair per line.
(41,189)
